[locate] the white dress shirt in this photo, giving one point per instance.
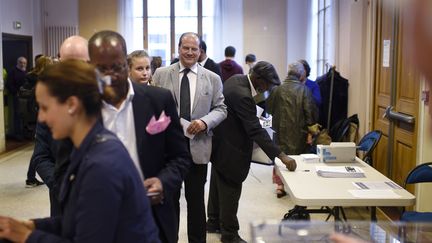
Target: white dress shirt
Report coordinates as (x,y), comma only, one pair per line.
(192,76)
(204,62)
(253,91)
(121,122)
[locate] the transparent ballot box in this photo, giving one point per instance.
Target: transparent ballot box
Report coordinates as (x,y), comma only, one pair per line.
(318,231)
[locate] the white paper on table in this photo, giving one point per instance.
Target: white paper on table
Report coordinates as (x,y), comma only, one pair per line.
(340,171)
(384,194)
(185,124)
(376,185)
(259,111)
(311,158)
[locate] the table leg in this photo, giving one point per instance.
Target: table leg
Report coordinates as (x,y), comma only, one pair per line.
(336,214)
(373,214)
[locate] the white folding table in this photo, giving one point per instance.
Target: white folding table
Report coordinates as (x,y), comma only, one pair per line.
(307,189)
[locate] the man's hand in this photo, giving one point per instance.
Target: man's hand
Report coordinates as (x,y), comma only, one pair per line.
(14,230)
(154,190)
(289,162)
(196,126)
(309,139)
(29,224)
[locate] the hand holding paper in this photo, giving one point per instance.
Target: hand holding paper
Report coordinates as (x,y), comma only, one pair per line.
(158,126)
(185,124)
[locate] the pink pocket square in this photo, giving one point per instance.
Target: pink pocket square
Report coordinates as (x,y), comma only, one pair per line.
(157,126)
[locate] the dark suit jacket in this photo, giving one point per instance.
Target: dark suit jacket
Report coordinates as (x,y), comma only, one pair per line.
(163,155)
(233,138)
(102,197)
(212,66)
(51,159)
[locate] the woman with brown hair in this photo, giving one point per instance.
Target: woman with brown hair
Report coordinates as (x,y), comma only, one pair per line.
(102,196)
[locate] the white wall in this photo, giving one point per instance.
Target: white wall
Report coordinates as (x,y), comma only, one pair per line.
(33,15)
(230,29)
(265,32)
(16,10)
(424,153)
(297,35)
(351,57)
(61,12)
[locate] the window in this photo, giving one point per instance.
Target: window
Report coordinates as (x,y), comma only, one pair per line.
(158,24)
(323,36)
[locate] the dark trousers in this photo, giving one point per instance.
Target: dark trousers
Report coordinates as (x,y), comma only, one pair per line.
(17,119)
(194,194)
(31,172)
(223,203)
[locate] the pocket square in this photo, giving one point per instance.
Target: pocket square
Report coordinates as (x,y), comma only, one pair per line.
(157,126)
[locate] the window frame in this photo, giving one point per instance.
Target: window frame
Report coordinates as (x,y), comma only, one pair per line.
(173,40)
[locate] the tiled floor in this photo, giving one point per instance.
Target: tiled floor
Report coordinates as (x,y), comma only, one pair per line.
(258,200)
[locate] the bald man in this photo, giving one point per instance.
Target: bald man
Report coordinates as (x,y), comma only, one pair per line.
(74,47)
(51,158)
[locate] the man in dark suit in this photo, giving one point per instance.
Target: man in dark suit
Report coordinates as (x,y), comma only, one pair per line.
(206,61)
(232,148)
(162,158)
(15,79)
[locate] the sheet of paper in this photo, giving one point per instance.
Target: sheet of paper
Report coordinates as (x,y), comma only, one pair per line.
(259,111)
(377,185)
(386,53)
(384,194)
(340,171)
(311,158)
(185,124)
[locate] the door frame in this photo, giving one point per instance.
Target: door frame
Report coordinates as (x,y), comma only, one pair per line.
(26,38)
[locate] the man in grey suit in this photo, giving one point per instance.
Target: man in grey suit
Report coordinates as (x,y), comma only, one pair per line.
(198,94)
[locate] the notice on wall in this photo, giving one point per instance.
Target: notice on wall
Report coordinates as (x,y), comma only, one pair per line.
(386,53)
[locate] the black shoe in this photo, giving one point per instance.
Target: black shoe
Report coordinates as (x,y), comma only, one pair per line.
(213,226)
(33,183)
(232,239)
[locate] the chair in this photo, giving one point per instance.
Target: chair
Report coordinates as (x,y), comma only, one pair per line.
(345,130)
(367,145)
(420,174)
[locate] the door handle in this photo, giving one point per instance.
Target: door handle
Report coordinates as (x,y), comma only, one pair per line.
(397,116)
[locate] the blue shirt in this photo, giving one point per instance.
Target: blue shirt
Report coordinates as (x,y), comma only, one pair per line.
(315,90)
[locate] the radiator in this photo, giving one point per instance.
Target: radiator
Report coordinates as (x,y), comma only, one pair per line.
(55,35)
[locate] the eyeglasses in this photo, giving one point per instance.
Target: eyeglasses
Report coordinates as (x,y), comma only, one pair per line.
(115,68)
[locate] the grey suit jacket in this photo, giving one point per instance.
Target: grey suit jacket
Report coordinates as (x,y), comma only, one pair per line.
(208,105)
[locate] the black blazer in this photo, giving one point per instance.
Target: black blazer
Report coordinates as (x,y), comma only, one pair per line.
(163,155)
(233,138)
(212,66)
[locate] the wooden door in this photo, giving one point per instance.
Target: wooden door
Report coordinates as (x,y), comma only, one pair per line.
(396,99)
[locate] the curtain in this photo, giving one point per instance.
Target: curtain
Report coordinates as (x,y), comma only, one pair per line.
(125,24)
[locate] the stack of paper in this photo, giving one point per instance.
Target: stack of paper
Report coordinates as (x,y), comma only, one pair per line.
(340,171)
(310,158)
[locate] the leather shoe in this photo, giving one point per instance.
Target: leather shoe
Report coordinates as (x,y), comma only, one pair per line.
(232,239)
(280,193)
